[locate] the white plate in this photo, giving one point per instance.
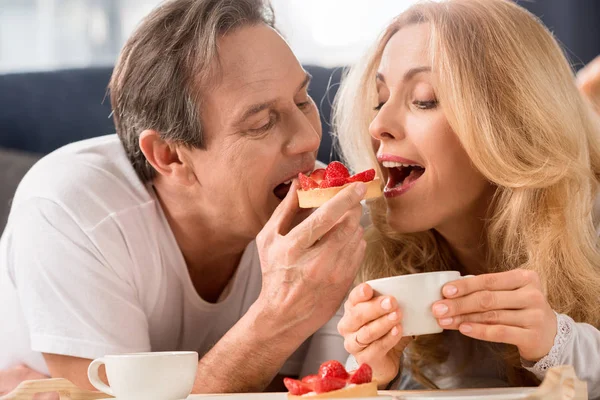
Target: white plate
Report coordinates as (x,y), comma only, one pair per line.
(470,394)
(238,396)
(267,396)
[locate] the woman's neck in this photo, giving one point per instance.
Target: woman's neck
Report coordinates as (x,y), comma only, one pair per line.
(466,237)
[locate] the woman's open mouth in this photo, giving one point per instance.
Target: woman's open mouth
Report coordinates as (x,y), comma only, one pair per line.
(401,177)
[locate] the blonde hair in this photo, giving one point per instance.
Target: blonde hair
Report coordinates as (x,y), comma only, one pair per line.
(509,94)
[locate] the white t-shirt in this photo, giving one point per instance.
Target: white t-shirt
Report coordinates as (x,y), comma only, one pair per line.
(89,266)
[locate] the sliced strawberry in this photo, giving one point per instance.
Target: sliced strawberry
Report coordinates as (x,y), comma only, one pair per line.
(310,379)
(364,374)
(365,176)
(336,170)
(329,384)
(296,387)
(333,369)
(307,182)
(318,175)
(334,182)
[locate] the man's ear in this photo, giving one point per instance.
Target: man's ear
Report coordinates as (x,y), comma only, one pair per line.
(166,158)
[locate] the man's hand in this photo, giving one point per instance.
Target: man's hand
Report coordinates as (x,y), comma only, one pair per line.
(12,377)
(588,81)
(308,269)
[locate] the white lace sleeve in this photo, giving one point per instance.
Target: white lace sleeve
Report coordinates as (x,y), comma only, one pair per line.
(575,344)
(564,332)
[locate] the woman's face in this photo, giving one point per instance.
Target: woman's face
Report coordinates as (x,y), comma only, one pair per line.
(431,180)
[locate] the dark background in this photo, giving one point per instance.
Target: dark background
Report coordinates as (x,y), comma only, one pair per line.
(42,111)
(575,23)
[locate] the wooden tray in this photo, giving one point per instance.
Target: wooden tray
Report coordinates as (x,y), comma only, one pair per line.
(560,383)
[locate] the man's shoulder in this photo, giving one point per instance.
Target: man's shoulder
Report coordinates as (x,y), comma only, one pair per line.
(90,180)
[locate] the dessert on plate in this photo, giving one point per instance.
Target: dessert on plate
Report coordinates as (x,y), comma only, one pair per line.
(333,382)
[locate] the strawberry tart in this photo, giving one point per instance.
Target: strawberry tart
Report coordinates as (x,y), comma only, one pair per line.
(333,382)
(322,184)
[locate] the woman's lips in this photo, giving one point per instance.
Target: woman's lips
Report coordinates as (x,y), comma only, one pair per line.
(401,178)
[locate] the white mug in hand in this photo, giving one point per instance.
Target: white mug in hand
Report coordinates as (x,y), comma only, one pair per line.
(416,294)
(147,376)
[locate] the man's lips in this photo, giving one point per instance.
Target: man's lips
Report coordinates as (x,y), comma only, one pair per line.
(282,189)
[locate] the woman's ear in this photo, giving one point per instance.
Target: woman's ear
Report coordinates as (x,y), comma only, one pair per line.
(167,158)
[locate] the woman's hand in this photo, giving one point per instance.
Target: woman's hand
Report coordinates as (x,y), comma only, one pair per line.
(373,333)
(588,81)
(507,307)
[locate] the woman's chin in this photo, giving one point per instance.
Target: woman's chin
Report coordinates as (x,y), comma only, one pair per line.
(407,222)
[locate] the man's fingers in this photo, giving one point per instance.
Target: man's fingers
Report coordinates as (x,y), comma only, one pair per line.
(509,280)
(344,232)
(327,216)
(285,212)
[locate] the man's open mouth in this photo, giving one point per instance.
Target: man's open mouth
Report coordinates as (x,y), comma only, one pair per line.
(282,189)
(401,176)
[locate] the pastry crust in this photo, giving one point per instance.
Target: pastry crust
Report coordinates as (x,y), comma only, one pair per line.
(364,390)
(317,197)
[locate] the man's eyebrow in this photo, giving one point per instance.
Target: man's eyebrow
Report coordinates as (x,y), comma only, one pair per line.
(306,81)
(408,75)
(256,108)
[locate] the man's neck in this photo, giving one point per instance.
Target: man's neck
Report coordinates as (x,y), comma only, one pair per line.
(211,253)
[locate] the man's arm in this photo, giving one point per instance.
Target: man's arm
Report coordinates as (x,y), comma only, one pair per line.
(246,359)
(307,270)
(73,369)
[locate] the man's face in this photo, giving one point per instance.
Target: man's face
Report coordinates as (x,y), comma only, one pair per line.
(261,130)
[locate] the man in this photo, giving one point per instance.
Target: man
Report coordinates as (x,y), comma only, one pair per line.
(147,243)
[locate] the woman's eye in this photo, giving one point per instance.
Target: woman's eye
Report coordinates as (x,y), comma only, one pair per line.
(425,105)
(379,106)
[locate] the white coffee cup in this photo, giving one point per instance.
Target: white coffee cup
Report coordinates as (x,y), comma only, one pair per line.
(416,294)
(147,376)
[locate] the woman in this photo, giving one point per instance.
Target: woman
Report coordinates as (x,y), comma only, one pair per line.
(492,162)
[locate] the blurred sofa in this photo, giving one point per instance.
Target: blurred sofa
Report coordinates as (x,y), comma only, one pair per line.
(42,111)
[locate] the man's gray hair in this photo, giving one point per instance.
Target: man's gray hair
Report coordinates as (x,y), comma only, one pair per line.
(157,81)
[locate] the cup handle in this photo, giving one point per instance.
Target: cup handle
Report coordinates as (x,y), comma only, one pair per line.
(95,379)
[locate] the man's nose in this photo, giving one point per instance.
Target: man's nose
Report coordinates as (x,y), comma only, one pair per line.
(305,137)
